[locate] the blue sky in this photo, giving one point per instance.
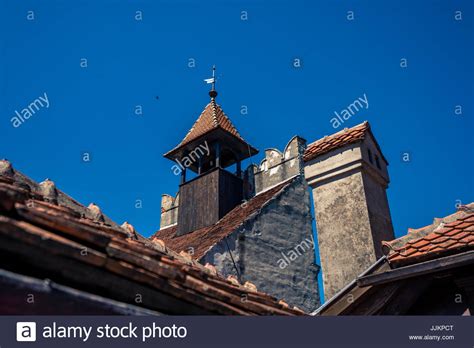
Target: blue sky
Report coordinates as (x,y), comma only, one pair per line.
(130,62)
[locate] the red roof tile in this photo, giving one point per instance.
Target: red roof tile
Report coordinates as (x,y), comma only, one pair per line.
(211,118)
(50,239)
(445,239)
(339,139)
(200,241)
(439,225)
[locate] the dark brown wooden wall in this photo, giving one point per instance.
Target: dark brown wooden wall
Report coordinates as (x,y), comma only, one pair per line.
(206,199)
(230,192)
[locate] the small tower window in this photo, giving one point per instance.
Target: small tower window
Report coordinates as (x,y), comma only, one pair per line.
(370,156)
(377,163)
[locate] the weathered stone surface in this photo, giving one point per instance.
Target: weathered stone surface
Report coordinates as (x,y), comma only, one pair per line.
(278,166)
(351,207)
(274,249)
(169,210)
(346,247)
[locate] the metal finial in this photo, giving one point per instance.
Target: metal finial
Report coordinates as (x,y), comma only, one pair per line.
(212,81)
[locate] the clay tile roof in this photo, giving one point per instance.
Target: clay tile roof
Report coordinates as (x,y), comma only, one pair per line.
(200,241)
(211,118)
(47,192)
(450,235)
(50,239)
(336,140)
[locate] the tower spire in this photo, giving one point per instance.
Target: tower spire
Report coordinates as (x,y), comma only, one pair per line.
(212,81)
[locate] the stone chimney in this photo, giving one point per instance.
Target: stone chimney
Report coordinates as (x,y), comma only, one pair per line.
(348,176)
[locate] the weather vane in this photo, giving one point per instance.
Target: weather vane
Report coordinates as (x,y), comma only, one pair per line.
(212,80)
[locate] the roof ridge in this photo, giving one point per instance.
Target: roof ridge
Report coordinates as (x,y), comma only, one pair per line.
(60,198)
(214,113)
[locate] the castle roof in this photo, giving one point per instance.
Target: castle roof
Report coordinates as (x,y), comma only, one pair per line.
(337,140)
(211,120)
(441,250)
(87,257)
(202,240)
(448,235)
(49,192)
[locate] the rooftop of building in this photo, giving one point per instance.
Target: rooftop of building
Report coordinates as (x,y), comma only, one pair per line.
(436,249)
(45,233)
(337,140)
(212,119)
(445,236)
(202,240)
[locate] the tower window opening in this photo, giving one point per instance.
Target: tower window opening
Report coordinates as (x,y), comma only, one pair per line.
(377,162)
(370,156)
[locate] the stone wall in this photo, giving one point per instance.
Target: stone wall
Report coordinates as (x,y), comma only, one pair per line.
(169,210)
(278,166)
(274,249)
(351,207)
(376,181)
(346,247)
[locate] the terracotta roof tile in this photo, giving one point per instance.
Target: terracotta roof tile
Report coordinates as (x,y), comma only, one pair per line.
(421,243)
(448,244)
(460,234)
(408,252)
(432,236)
(200,241)
(51,239)
(212,117)
(448,231)
(468,239)
(454,236)
(439,226)
(464,224)
(328,143)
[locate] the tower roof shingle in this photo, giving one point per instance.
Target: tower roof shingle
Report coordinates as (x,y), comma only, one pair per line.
(211,118)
